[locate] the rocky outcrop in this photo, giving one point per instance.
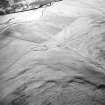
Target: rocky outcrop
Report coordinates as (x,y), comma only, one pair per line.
(14,6)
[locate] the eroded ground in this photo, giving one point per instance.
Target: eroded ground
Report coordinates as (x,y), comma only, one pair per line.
(54,55)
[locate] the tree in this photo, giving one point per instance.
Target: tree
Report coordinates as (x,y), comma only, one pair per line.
(4,3)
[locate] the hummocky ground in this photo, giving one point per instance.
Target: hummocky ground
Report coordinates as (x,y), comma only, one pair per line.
(54,55)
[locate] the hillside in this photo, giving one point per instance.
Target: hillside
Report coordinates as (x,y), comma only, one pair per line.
(54,55)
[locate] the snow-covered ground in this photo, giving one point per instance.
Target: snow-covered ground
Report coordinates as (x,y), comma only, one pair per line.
(54,55)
